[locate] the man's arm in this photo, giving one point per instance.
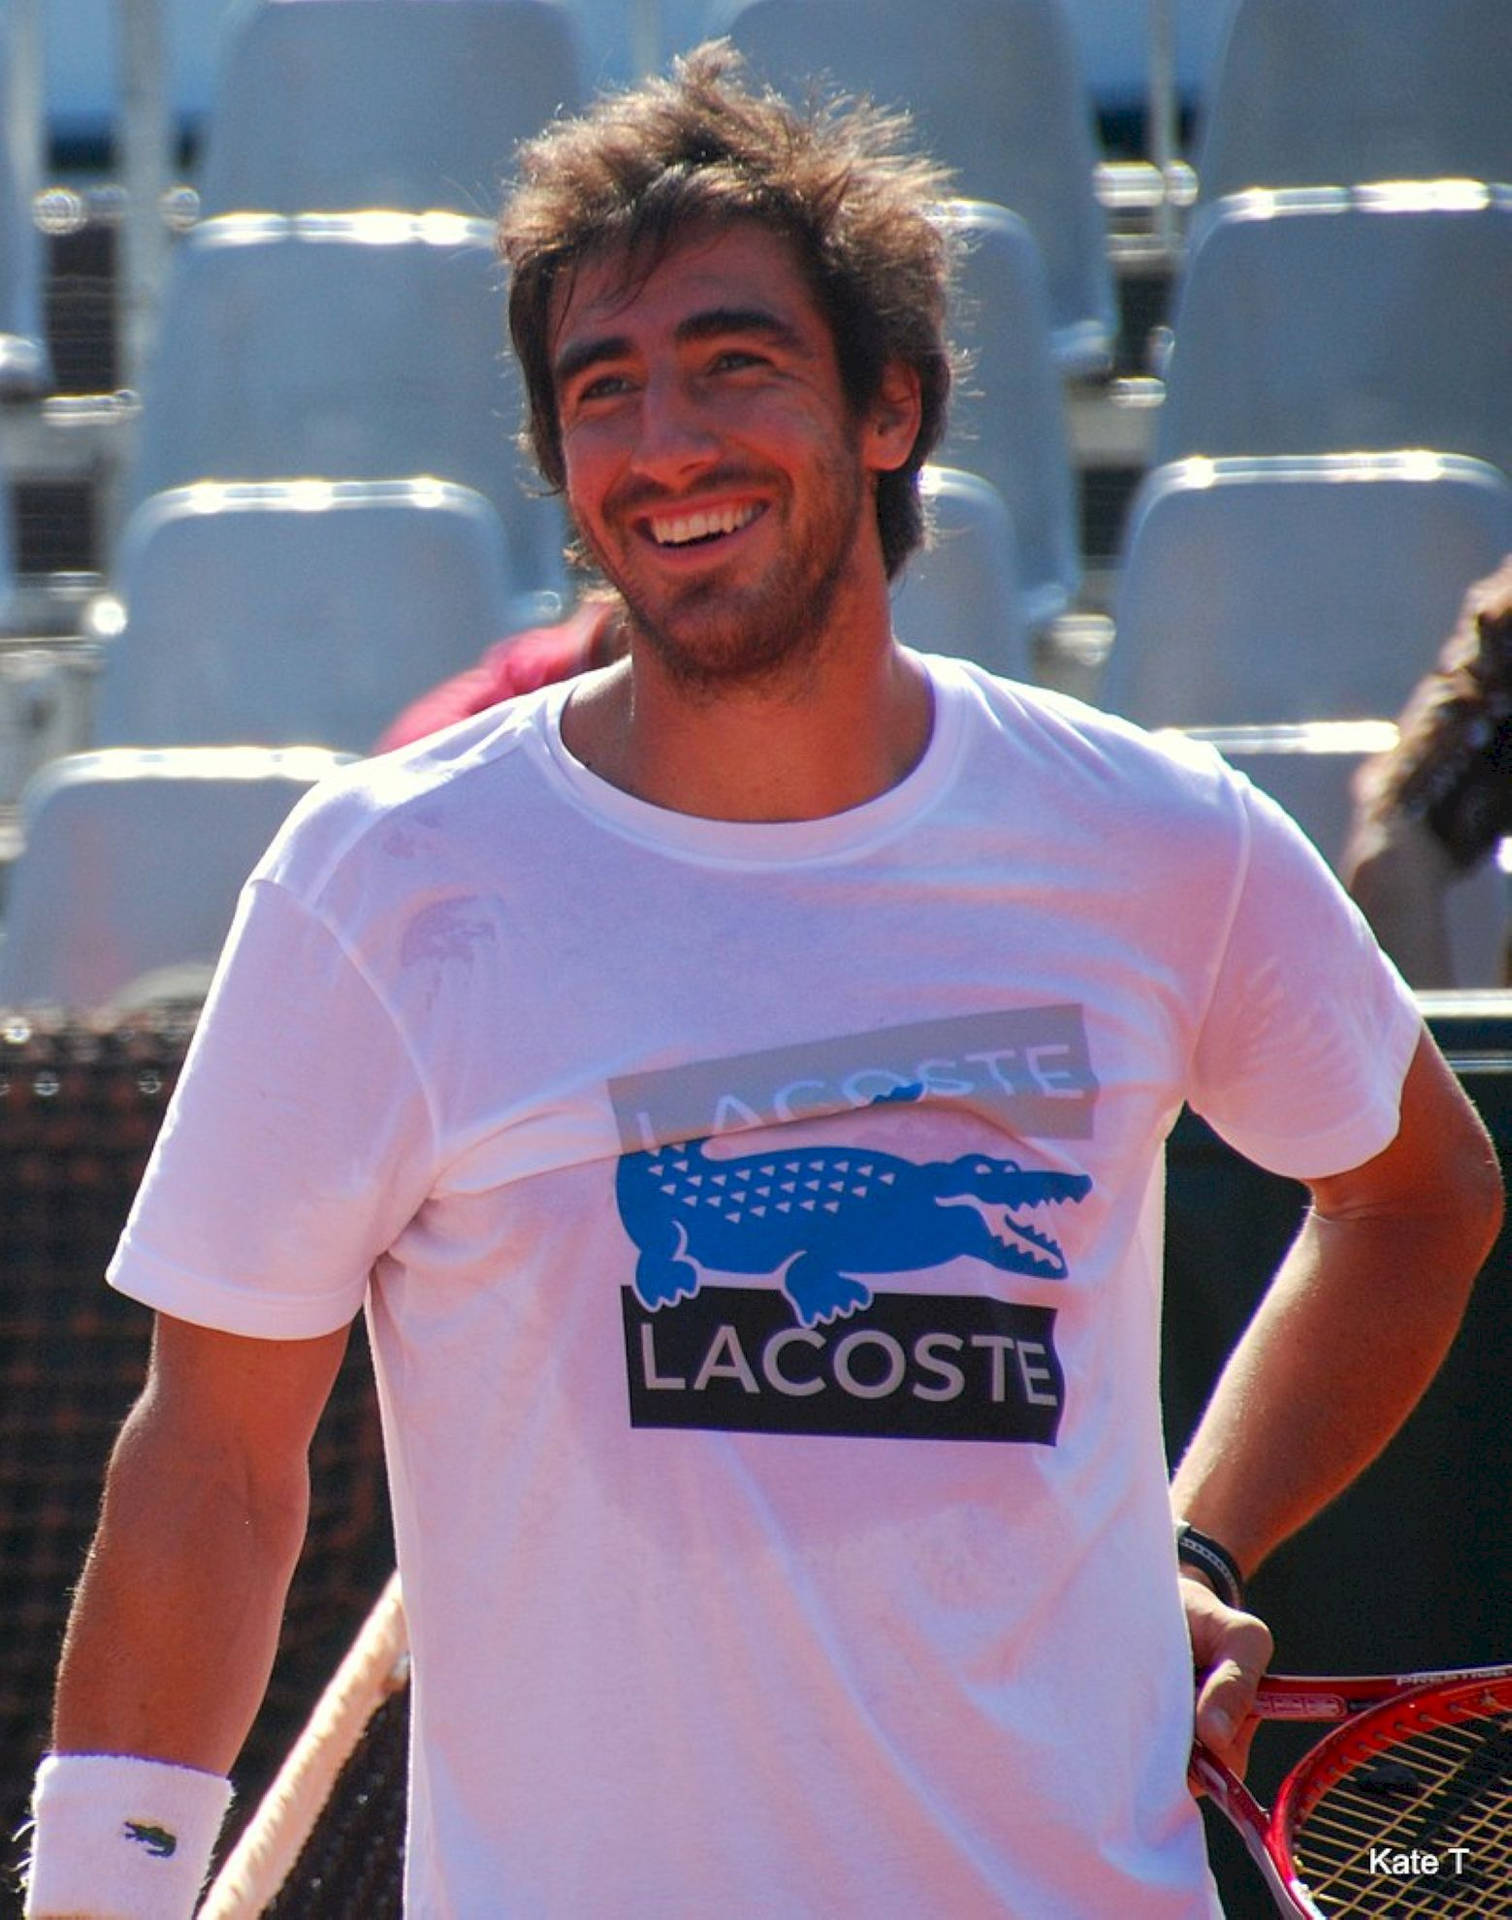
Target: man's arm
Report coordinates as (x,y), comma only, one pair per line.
(1350,1332)
(176,1620)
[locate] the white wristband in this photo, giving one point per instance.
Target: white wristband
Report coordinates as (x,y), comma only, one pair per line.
(121,1838)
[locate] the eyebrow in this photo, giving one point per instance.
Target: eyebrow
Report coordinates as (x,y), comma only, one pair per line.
(710,324)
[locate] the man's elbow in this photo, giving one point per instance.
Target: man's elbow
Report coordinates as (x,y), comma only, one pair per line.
(1465,1216)
(1485,1203)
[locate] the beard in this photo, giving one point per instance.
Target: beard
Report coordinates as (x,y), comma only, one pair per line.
(711,637)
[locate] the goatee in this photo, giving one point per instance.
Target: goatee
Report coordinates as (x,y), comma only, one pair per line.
(711,638)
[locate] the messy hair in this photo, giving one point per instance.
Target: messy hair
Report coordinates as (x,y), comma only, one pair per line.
(639,169)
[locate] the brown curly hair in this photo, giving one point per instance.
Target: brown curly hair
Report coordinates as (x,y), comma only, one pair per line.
(635,171)
(1452,765)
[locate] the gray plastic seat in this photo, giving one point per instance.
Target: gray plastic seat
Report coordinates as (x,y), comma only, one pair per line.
(1257,591)
(1307,94)
(7,549)
(996,92)
(1007,412)
(1115,38)
(131,864)
(286,613)
(961,594)
(1338,320)
(345,347)
(382,103)
(25,363)
(1310,769)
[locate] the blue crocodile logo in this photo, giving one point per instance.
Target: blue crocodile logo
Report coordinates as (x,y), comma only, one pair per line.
(824,1215)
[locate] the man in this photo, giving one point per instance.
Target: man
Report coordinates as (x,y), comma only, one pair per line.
(735,1083)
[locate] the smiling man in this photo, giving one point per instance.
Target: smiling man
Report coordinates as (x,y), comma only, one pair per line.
(734,1085)
(723,482)
(711,459)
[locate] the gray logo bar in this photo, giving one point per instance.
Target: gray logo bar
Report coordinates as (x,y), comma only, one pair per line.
(1027,1070)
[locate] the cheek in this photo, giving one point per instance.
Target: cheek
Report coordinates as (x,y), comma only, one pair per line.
(586,471)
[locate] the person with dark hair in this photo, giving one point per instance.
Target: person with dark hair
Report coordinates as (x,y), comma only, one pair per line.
(592,635)
(1434,807)
(734,1082)
(632,181)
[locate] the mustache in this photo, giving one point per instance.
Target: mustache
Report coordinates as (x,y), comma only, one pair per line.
(638,495)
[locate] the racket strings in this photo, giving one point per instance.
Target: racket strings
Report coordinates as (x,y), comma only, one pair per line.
(1424,1826)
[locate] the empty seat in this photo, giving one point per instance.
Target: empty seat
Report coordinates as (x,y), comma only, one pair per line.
(346,347)
(131,863)
(7,548)
(621,43)
(47,691)
(1307,94)
(960,595)
(25,365)
(347,104)
(1288,590)
(1338,319)
(1121,49)
(996,92)
(1309,769)
(1007,411)
(306,611)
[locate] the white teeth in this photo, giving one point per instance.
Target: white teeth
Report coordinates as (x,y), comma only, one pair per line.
(698,526)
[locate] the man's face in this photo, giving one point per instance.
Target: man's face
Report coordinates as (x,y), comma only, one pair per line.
(713,466)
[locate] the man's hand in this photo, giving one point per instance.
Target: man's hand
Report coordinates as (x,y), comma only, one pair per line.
(1230,1652)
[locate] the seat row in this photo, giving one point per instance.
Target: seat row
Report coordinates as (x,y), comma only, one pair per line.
(347,105)
(1304,94)
(361,343)
(285,613)
(367,346)
(1282,607)
(327,511)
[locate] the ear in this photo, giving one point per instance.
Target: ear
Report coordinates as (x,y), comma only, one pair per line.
(892,421)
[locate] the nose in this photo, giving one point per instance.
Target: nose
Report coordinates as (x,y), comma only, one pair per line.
(675,438)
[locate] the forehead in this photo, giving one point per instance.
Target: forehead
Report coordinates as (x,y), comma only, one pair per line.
(743,267)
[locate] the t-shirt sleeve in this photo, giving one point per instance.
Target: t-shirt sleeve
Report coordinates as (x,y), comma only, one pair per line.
(1309,1030)
(298,1143)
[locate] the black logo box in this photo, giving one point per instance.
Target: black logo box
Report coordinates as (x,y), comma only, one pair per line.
(911,1367)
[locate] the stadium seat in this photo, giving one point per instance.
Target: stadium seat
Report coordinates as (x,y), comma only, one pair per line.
(960,596)
(1296,589)
(1118,41)
(1309,770)
(25,365)
(621,43)
(1311,95)
(345,347)
(285,613)
(996,91)
(1339,319)
(1007,412)
(131,863)
(348,104)
(7,548)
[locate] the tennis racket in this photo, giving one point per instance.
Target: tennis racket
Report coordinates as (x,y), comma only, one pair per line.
(1404,1807)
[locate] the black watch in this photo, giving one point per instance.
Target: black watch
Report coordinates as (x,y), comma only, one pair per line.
(1202,1552)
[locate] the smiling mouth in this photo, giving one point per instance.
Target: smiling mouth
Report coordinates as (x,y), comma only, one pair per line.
(691,529)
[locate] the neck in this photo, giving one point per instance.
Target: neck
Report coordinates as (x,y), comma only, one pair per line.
(844,729)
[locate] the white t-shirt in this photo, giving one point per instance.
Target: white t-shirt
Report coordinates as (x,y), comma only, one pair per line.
(760,1229)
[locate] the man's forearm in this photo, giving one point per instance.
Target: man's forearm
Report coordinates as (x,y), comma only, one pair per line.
(1350,1333)
(176,1621)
